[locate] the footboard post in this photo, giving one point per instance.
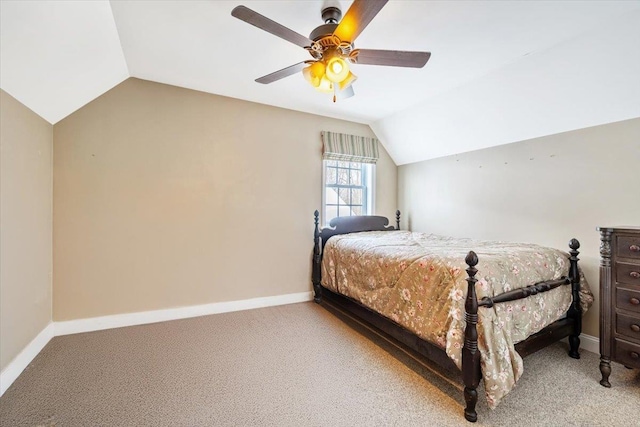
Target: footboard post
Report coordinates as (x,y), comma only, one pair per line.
(315,269)
(397,220)
(470,354)
(575,311)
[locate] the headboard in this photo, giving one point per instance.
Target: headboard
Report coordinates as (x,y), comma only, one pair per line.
(354,224)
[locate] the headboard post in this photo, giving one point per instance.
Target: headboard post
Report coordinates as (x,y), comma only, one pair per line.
(315,269)
(575,311)
(397,220)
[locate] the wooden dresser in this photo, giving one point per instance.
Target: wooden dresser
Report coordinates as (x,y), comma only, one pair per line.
(619,298)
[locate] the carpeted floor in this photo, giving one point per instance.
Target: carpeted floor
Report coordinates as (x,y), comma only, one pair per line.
(294,365)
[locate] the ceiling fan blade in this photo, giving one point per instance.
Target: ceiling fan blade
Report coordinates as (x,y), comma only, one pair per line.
(281,74)
(357,18)
(345,93)
(393,58)
(254,18)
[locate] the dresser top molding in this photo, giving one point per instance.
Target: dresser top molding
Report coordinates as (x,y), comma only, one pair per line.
(631,228)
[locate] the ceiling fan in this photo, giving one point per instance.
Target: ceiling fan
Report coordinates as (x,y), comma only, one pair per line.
(331,47)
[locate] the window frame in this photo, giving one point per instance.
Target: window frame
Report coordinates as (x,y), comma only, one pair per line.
(368,178)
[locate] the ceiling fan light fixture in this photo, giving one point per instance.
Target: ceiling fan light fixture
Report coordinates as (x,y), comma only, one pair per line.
(314,73)
(347,81)
(337,69)
(317,69)
(308,75)
(326,85)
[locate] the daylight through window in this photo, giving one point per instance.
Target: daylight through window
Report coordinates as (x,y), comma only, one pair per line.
(347,189)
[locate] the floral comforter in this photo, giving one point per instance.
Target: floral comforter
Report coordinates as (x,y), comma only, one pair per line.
(418,281)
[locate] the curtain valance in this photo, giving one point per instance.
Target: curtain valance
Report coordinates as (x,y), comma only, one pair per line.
(349,148)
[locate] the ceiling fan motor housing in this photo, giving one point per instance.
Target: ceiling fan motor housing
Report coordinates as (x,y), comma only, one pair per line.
(331,16)
(322,31)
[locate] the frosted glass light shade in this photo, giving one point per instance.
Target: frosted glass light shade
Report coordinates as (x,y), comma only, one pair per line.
(337,69)
(326,85)
(347,81)
(314,73)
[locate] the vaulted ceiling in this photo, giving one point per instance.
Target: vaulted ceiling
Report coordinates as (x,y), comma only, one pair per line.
(500,71)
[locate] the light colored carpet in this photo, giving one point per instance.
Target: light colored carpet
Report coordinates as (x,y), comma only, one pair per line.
(294,365)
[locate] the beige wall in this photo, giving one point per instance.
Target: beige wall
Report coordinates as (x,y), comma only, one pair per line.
(25,226)
(166,197)
(546,191)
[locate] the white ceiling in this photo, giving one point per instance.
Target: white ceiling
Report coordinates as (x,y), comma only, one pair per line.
(57,56)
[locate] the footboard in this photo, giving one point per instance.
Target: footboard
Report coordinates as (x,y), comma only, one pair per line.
(571,326)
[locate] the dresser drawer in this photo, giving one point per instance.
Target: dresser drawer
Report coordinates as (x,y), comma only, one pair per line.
(628,299)
(628,273)
(628,247)
(628,326)
(627,353)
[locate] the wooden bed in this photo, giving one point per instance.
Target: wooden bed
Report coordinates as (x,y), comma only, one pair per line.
(470,374)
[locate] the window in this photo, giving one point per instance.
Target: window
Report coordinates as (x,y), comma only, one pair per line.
(349,164)
(348,189)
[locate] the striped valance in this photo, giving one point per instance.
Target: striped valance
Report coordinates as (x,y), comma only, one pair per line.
(349,148)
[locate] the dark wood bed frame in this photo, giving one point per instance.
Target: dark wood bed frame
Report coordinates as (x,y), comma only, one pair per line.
(570,326)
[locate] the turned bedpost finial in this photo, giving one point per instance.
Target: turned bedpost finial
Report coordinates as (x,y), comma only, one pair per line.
(573,260)
(470,354)
(574,244)
(398,220)
(472,260)
(575,310)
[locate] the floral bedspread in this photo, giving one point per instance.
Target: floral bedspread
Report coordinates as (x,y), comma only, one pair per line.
(418,281)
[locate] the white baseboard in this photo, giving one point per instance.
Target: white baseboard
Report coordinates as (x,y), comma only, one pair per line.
(145,317)
(590,343)
(24,358)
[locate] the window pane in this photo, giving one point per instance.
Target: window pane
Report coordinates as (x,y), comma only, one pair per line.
(356,177)
(343,194)
(357,210)
(331,196)
(343,176)
(344,211)
(330,213)
(331,175)
(332,163)
(356,196)
(355,165)
(343,164)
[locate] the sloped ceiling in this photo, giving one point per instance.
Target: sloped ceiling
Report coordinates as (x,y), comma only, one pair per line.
(500,71)
(57,56)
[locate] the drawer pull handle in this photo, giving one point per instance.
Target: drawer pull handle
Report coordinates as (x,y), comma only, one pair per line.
(634,248)
(634,355)
(634,301)
(634,274)
(635,328)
